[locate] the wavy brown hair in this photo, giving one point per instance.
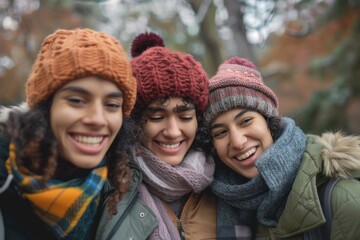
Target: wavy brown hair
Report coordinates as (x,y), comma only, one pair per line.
(36,149)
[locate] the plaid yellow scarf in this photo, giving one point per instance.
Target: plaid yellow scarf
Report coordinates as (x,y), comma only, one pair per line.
(67,207)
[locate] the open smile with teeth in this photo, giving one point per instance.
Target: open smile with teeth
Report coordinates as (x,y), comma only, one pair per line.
(246,155)
(169,146)
(92,141)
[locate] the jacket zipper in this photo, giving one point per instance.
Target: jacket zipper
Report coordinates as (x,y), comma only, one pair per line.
(181,230)
(182,216)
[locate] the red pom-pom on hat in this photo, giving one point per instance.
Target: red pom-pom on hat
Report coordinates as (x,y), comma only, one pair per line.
(241,61)
(145,41)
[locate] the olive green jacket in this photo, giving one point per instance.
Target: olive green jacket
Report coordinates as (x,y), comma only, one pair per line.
(134,220)
(331,155)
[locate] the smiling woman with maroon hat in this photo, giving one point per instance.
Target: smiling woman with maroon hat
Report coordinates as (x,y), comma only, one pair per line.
(172,92)
(268,170)
(66,164)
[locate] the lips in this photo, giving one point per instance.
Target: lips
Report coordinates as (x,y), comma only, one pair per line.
(169,146)
(88,140)
(88,145)
(246,155)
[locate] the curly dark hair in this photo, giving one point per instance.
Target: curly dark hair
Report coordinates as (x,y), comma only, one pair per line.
(36,148)
(276,126)
(139,116)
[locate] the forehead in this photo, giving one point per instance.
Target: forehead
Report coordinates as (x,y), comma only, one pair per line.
(229,114)
(92,84)
(235,114)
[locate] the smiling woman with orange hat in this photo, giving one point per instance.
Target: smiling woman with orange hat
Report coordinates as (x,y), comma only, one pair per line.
(66,160)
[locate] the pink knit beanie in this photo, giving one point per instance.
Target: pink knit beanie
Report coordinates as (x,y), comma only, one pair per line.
(238,84)
(67,55)
(162,73)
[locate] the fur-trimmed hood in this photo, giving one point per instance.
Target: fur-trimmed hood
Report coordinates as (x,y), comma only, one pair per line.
(341,154)
(5,112)
(328,156)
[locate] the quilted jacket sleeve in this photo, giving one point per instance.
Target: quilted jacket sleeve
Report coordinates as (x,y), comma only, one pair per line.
(346,210)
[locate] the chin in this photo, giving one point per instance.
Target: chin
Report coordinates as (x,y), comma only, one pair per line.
(87,163)
(174,162)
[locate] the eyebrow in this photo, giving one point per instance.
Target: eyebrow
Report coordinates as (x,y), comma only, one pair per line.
(217,125)
(182,108)
(155,109)
(84,91)
(240,114)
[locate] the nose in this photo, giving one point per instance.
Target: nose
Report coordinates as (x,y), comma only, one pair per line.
(95,115)
(237,139)
(172,128)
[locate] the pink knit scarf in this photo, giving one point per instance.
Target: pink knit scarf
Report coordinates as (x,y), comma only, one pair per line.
(165,182)
(168,182)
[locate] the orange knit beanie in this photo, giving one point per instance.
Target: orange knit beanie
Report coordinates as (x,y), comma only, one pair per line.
(68,55)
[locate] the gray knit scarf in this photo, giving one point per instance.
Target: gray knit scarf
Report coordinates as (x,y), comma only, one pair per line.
(261,199)
(168,183)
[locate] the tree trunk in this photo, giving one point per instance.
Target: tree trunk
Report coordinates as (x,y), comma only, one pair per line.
(236,23)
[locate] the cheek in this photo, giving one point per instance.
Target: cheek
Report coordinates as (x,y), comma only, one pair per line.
(264,138)
(150,131)
(190,129)
(269,140)
(116,123)
(61,114)
(265,134)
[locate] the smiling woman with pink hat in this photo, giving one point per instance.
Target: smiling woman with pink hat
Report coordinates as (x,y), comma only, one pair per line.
(268,171)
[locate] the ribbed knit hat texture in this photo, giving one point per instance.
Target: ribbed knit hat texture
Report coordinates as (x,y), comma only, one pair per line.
(68,55)
(238,84)
(162,73)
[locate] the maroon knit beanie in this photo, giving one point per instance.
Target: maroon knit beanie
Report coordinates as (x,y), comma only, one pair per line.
(163,73)
(238,84)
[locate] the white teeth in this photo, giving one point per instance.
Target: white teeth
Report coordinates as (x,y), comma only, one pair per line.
(170,146)
(89,140)
(246,155)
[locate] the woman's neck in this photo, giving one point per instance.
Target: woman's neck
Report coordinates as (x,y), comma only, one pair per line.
(66,171)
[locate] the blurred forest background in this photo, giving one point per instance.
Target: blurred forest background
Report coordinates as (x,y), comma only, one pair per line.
(307,50)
